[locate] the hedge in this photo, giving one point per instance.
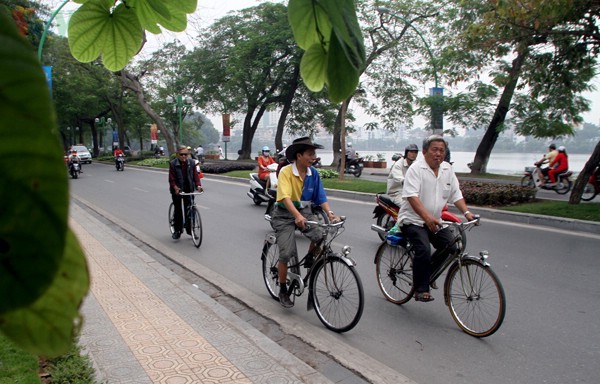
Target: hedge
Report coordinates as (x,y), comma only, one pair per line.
(495,194)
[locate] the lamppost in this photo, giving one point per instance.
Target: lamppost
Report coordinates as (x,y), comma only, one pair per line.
(102,123)
(437,119)
(69,134)
(180,102)
(76,135)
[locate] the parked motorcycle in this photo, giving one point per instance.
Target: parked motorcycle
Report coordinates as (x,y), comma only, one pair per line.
(532,179)
(386,214)
(592,188)
(120,162)
(353,167)
(74,169)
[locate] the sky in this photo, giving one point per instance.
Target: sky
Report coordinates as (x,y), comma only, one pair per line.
(210,10)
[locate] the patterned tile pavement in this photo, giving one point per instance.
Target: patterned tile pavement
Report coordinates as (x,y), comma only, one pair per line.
(144,324)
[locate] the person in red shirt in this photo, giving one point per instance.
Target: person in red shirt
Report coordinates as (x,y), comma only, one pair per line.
(559,165)
(264,160)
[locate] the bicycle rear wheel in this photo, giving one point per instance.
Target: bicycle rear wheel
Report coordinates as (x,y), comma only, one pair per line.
(172,218)
(338,294)
(475,298)
(196,226)
(393,267)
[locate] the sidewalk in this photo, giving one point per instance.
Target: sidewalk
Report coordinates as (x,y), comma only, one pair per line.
(145,324)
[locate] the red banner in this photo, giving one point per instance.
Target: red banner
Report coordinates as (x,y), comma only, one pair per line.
(226,125)
(153,134)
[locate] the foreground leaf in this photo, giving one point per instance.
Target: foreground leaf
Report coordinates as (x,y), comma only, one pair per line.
(47,327)
(33,178)
(342,77)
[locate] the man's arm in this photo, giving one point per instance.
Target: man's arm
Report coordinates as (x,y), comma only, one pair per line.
(462,206)
(417,205)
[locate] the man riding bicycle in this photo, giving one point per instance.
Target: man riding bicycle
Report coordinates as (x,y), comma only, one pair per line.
(183,177)
(298,187)
(430,184)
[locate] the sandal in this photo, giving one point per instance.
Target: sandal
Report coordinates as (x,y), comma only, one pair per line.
(423,296)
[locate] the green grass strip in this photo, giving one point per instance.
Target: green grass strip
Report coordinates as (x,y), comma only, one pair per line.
(583,211)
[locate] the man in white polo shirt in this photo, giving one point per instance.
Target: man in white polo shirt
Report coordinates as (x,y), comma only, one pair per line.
(429,184)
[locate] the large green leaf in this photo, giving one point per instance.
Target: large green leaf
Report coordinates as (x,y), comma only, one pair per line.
(342,78)
(47,326)
(342,15)
(309,23)
(33,178)
(94,30)
(313,67)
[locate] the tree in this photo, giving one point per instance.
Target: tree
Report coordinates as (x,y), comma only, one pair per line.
(550,47)
(247,62)
(584,176)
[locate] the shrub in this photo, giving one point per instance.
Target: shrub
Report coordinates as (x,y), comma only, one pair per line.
(152,162)
(227,166)
(495,194)
(328,173)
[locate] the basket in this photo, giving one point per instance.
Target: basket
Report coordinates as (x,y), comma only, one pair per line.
(529,169)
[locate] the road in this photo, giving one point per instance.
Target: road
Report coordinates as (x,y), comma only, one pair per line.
(550,333)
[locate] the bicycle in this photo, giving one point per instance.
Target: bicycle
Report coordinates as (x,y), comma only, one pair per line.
(472,291)
(191,216)
(334,287)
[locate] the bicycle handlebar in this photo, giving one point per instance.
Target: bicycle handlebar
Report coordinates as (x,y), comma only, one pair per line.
(336,224)
(475,221)
(190,193)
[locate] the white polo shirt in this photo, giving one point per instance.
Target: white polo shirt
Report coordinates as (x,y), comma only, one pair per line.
(434,192)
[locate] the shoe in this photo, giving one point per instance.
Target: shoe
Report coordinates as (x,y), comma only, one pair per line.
(423,296)
(176,235)
(284,300)
(188,231)
(433,285)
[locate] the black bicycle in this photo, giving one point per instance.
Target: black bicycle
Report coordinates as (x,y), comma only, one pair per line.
(472,291)
(334,287)
(191,219)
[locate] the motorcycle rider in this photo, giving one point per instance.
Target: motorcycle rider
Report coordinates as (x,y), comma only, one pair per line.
(74,158)
(351,155)
(548,158)
(557,166)
(116,153)
(395,179)
(264,160)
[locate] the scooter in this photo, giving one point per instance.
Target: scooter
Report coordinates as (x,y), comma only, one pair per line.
(120,162)
(74,169)
(386,213)
(533,179)
(592,188)
(257,187)
(353,167)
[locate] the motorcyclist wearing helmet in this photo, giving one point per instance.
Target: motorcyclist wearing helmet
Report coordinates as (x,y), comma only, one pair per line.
(264,160)
(548,158)
(557,166)
(395,180)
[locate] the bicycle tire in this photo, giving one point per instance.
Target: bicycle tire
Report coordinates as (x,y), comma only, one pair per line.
(475,298)
(589,192)
(172,218)
(270,257)
(338,294)
(393,268)
(196,226)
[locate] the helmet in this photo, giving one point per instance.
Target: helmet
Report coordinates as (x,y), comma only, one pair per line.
(410,147)
(265,149)
(552,146)
(561,148)
(349,145)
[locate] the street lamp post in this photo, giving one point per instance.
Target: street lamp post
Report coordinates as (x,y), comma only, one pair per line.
(69,134)
(102,123)
(76,135)
(437,120)
(180,102)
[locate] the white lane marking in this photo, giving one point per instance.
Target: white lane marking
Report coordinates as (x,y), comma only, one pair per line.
(109,181)
(139,189)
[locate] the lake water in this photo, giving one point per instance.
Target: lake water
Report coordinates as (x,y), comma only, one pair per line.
(500,163)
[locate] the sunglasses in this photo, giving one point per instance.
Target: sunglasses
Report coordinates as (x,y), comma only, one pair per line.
(182,154)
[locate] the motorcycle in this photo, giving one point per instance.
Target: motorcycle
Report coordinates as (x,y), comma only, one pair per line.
(532,179)
(592,188)
(257,186)
(120,162)
(353,167)
(386,213)
(74,169)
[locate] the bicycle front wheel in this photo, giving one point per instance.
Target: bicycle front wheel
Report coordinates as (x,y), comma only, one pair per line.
(196,226)
(270,257)
(172,218)
(393,267)
(588,192)
(475,298)
(338,294)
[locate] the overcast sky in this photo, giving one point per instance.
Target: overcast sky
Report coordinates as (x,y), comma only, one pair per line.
(210,10)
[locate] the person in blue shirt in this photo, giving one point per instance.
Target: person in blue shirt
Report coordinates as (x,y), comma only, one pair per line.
(298,187)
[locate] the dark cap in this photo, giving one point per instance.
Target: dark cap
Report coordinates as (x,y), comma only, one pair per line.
(299,145)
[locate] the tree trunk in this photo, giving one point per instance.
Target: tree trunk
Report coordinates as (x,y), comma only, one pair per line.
(249,131)
(129,81)
(337,131)
(488,141)
(584,176)
(287,106)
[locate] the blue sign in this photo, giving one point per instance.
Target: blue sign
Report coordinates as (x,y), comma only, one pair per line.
(48,72)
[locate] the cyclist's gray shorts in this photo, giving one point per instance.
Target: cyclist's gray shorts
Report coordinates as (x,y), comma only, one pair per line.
(283,223)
